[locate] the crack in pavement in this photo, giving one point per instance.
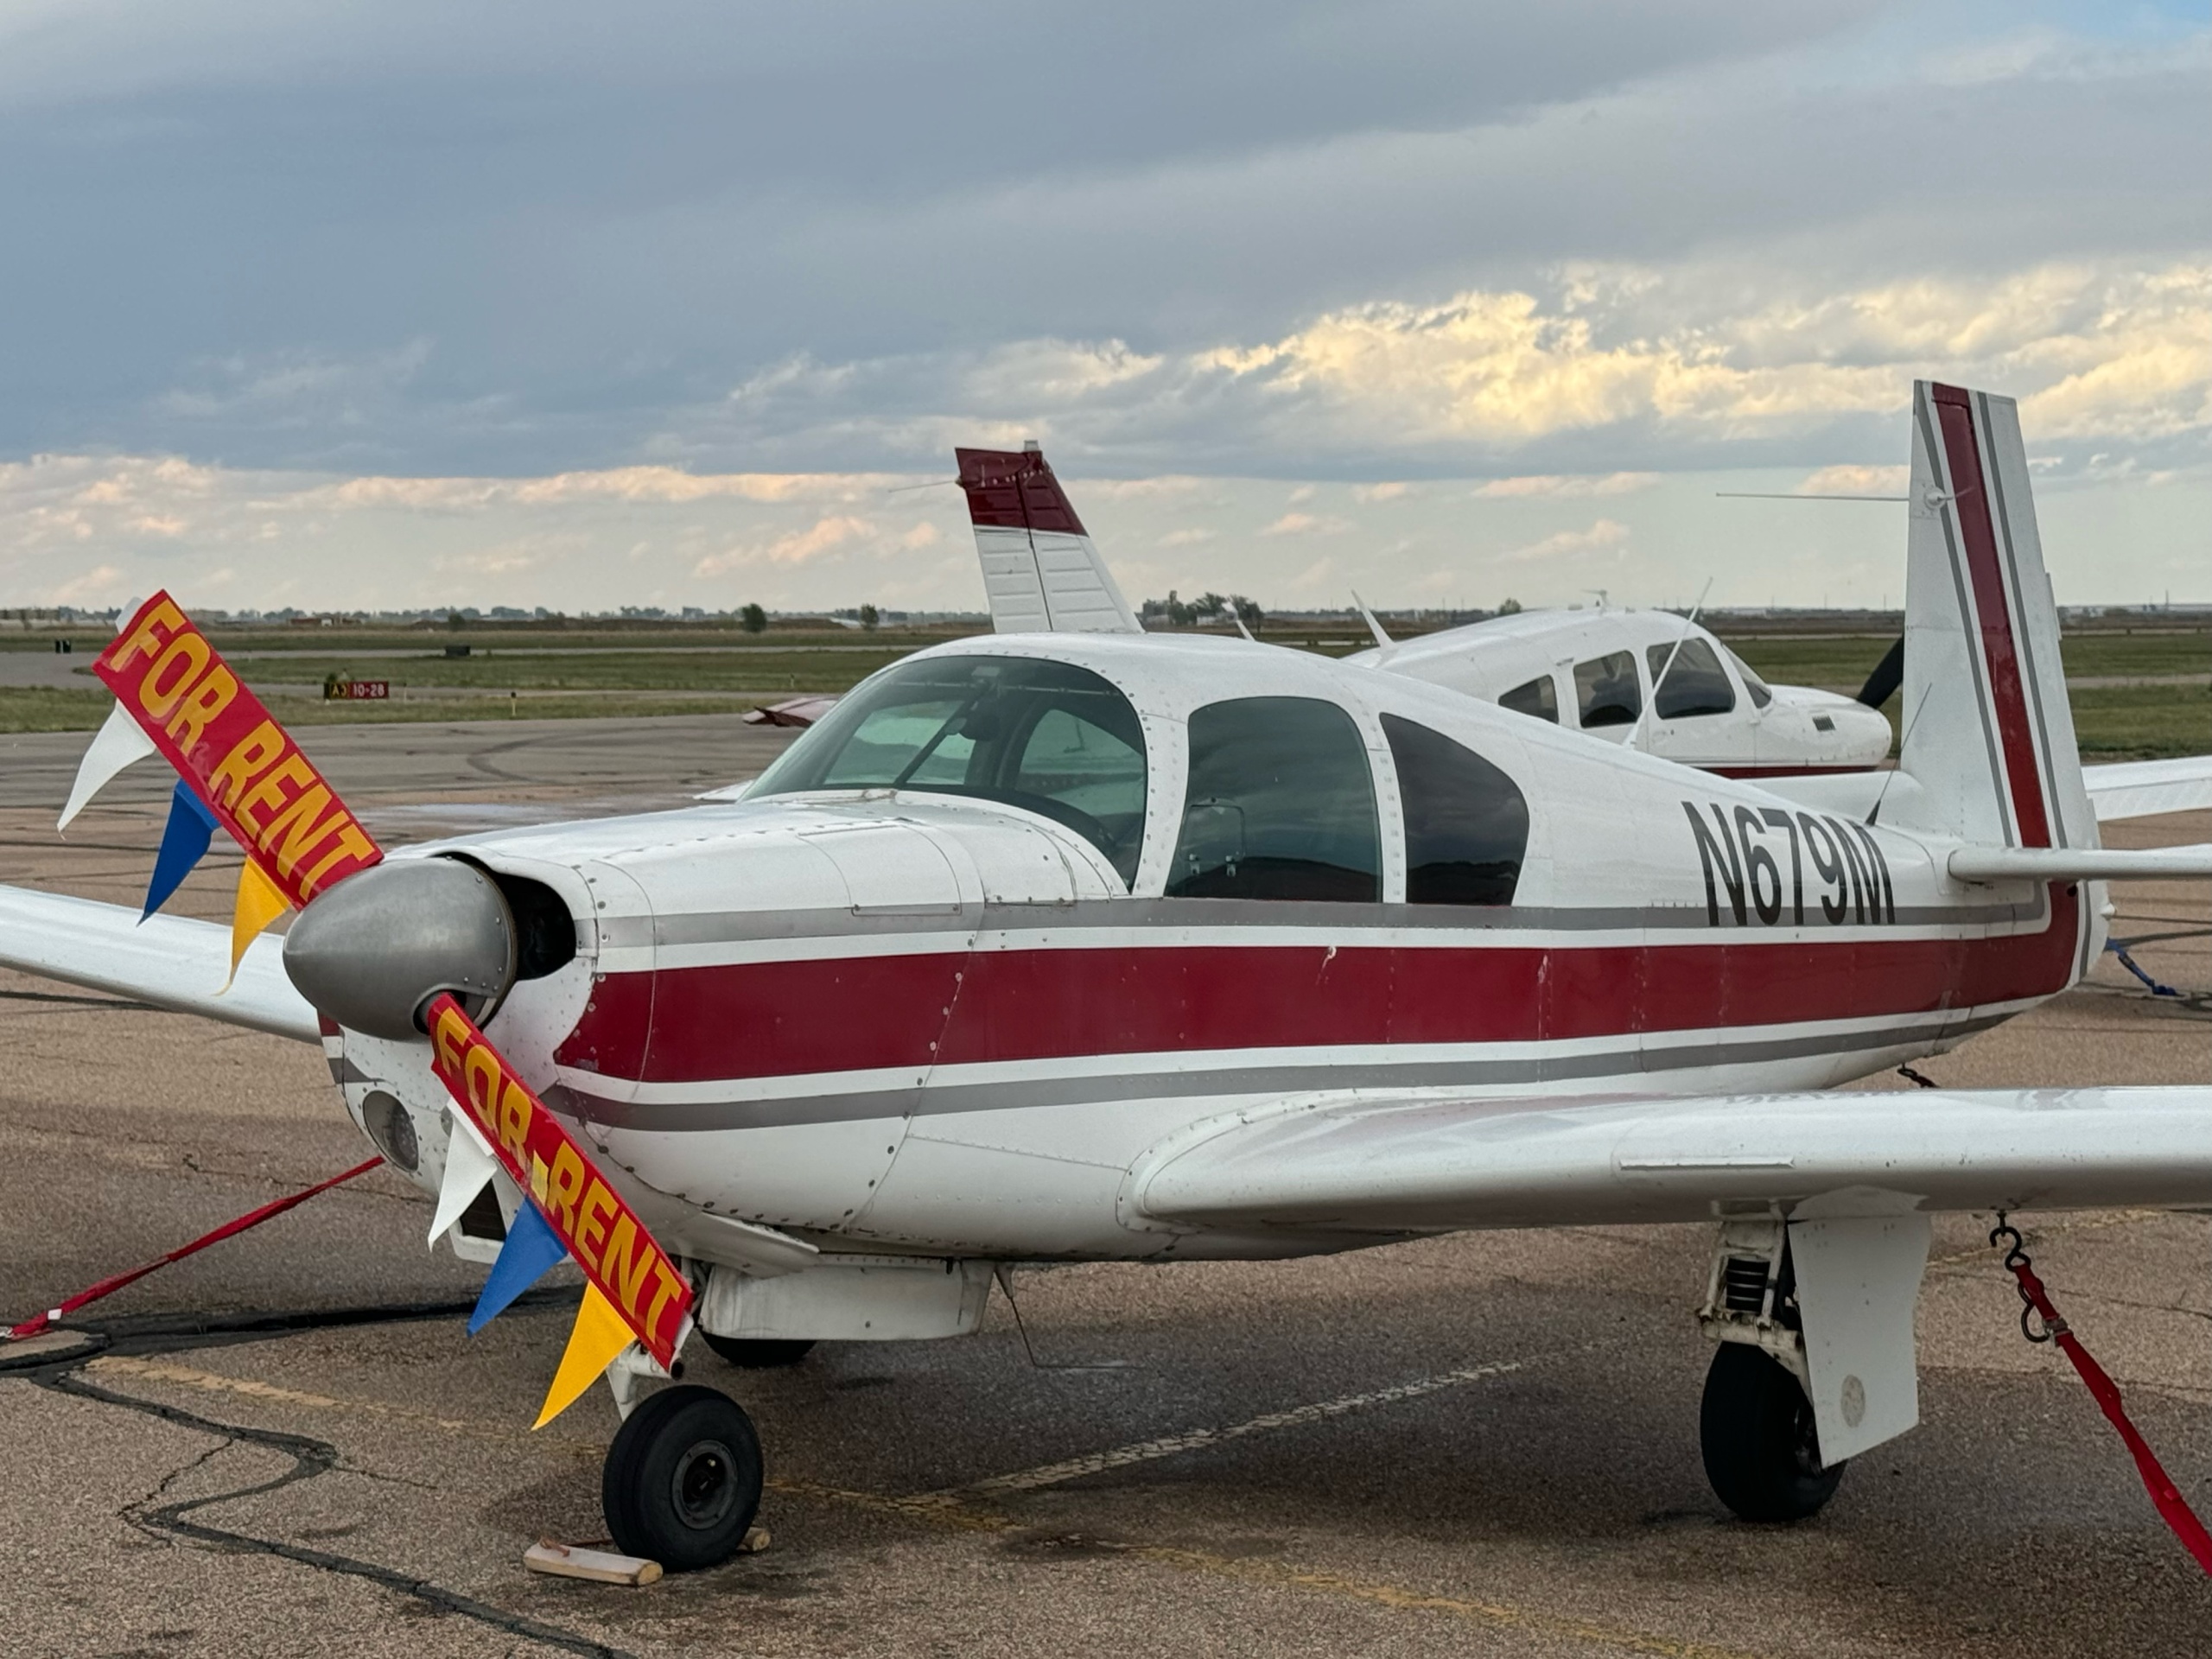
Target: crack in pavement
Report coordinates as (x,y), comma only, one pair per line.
(958,1509)
(310,1458)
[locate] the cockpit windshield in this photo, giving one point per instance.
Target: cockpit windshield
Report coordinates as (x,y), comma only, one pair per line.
(1760,696)
(1048,737)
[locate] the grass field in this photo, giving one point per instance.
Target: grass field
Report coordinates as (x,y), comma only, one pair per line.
(751,669)
(686,671)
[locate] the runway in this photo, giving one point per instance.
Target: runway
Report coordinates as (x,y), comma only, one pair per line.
(1483,1444)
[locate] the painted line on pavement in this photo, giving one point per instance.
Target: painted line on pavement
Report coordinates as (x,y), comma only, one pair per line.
(1197,1440)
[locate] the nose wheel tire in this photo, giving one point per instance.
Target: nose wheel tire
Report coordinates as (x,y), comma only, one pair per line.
(757,1353)
(1756,1425)
(682,1482)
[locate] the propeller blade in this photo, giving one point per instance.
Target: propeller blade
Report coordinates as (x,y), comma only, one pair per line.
(244,766)
(1888,674)
(624,1261)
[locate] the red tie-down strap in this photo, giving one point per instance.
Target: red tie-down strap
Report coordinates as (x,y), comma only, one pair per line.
(2163,1493)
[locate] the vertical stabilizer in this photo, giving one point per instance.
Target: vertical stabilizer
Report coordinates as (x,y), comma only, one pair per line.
(1988,733)
(1041,571)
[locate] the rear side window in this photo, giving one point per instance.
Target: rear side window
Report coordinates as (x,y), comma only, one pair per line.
(1695,684)
(1605,691)
(1466,823)
(1281,805)
(1539,697)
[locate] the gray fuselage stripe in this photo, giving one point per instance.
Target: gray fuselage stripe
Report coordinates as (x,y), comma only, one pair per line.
(1618,1064)
(763,926)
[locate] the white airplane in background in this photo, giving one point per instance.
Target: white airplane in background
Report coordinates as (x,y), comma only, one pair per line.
(1651,680)
(1113,946)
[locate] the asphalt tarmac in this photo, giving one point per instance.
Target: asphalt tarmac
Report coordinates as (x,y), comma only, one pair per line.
(1488,1444)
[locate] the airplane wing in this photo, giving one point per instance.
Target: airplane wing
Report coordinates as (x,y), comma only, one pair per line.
(169,961)
(2136,788)
(1382,1164)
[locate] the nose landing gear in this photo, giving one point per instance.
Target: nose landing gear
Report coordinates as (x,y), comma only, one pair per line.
(682,1482)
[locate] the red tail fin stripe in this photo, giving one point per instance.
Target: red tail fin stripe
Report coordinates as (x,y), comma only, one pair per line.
(1011,489)
(1970,503)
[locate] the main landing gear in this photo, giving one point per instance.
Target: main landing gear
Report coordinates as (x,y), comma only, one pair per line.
(1755,1425)
(1756,1428)
(682,1482)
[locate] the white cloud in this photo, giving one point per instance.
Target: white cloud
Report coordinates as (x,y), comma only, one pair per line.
(1305,523)
(1555,484)
(1857,480)
(1606,533)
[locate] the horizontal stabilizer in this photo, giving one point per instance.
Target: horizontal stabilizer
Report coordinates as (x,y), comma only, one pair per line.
(169,961)
(2080,864)
(2136,789)
(1407,1165)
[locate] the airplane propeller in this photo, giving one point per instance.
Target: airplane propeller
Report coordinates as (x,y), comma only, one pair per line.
(1889,674)
(403,951)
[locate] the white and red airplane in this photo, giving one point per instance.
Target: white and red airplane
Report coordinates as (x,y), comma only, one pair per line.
(1111,946)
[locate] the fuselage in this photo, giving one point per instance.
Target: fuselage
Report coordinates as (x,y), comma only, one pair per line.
(935,1017)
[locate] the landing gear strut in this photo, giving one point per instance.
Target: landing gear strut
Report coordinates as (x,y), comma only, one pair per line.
(682,1482)
(1756,1427)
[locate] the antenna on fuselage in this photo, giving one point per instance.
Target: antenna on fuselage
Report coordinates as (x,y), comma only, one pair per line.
(1383,641)
(1235,616)
(1635,731)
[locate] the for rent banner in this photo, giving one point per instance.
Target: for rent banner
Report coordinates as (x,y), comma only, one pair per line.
(239,761)
(609,1242)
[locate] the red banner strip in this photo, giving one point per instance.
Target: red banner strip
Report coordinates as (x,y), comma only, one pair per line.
(604,1234)
(228,1229)
(2171,1505)
(245,766)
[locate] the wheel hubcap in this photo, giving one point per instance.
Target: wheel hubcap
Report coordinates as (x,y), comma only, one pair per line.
(704,1485)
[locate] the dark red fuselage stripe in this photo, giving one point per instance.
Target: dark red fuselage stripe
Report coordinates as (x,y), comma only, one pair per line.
(780,1018)
(1999,652)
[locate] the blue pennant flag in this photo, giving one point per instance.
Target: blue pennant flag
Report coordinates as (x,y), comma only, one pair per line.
(532,1246)
(184,843)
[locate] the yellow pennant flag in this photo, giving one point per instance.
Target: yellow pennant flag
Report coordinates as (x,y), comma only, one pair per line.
(598,1335)
(260,902)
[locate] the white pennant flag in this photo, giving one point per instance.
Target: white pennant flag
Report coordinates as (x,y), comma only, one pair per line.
(114,746)
(470,1163)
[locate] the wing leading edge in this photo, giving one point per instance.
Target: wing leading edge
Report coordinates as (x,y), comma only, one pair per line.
(169,961)
(1398,1165)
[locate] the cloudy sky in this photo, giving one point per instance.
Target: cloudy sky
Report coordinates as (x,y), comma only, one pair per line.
(395,304)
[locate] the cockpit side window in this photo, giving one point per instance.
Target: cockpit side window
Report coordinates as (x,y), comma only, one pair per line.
(1694,683)
(1467,822)
(1281,805)
(1049,737)
(1538,696)
(1607,691)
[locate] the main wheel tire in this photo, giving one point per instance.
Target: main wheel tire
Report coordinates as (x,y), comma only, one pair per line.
(758,1353)
(1755,1426)
(682,1482)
